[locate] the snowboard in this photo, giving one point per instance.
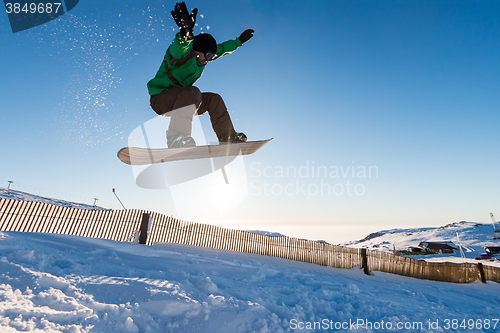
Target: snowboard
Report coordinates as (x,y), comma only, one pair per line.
(143,156)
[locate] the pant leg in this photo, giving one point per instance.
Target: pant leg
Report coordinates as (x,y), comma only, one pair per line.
(219,117)
(180,104)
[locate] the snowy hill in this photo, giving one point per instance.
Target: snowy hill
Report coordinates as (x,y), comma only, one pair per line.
(472,237)
(18,195)
(59,283)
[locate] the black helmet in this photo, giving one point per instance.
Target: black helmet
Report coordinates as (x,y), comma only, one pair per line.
(205,43)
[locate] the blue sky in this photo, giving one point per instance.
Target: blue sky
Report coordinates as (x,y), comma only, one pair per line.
(410,90)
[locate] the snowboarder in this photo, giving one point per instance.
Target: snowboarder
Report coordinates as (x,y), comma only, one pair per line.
(172,92)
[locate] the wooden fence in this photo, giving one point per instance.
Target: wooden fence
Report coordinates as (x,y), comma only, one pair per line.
(125,225)
(31,216)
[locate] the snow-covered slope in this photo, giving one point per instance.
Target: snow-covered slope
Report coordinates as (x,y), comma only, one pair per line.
(472,237)
(58,283)
(18,195)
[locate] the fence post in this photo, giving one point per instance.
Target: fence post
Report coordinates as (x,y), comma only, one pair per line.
(481,272)
(143,233)
(364,261)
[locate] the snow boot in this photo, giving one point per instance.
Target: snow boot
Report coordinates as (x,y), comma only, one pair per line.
(180,141)
(239,137)
(235,138)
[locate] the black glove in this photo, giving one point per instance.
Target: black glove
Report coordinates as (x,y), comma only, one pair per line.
(184,20)
(246,35)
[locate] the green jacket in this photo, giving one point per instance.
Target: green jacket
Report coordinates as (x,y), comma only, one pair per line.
(180,67)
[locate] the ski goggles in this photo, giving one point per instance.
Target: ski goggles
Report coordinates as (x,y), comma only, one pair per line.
(209,56)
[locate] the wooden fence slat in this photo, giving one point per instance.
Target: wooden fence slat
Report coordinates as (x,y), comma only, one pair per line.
(216,237)
(220,236)
(222,243)
(226,238)
(118,222)
(81,218)
(72,221)
(23,217)
(78,222)
(181,233)
(84,223)
(258,245)
(96,224)
(15,215)
(190,234)
(136,220)
(111,220)
(253,242)
(195,234)
(242,236)
(104,225)
(244,246)
(230,239)
(163,226)
(66,223)
(124,229)
(44,220)
(107,223)
(153,229)
(3,211)
(59,225)
(25,223)
(213,238)
(4,203)
(114,222)
(8,214)
(166,227)
(39,227)
(203,235)
(123,225)
(170,229)
(177,231)
(52,219)
(208,236)
(87,224)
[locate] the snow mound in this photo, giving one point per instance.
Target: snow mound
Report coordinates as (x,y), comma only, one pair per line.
(266,233)
(59,283)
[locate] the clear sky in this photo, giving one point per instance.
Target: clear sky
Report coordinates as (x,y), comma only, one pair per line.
(405,95)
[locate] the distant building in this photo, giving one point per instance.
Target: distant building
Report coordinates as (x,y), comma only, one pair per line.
(491,250)
(415,250)
(438,248)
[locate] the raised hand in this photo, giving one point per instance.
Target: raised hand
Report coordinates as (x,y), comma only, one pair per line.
(246,35)
(184,20)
